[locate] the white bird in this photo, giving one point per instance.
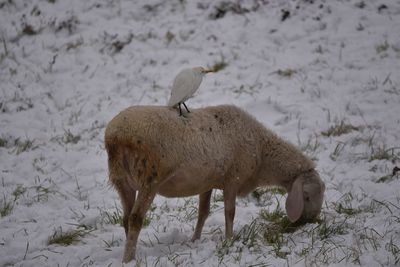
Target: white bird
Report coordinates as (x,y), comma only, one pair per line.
(185,85)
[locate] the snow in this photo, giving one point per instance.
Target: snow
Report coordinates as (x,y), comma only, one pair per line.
(68,67)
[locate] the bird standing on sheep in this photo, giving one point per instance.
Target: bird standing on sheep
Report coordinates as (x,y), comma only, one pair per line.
(185,85)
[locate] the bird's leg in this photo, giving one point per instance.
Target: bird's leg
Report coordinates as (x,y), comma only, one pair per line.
(186,107)
(180,109)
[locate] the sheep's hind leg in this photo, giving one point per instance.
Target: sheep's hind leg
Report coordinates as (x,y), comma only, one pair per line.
(142,204)
(127,196)
(204,210)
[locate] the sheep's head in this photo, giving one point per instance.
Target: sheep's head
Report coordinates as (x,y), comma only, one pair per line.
(305,197)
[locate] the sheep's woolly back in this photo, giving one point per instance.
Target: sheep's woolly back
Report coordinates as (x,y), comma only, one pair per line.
(216,141)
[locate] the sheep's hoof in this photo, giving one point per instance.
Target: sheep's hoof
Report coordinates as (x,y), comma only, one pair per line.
(195,238)
(129,253)
(128,258)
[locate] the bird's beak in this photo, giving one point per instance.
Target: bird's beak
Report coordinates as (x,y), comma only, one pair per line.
(208,70)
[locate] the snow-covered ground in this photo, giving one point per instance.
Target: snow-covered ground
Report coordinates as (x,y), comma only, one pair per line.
(322,74)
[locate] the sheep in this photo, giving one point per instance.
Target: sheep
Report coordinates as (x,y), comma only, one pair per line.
(153,151)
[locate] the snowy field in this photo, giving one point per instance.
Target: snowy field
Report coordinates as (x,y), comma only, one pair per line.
(324,75)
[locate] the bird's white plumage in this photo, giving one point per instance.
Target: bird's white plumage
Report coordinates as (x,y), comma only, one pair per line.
(185,85)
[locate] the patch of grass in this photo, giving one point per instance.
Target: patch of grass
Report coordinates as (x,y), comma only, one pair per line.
(249,234)
(257,194)
(319,49)
(223,248)
(273,230)
(22,146)
(115,43)
(16,102)
(69,24)
(339,129)
(217,196)
(146,221)
(114,217)
(274,216)
(279,221)
(224,7)
(382,47)
(118,45)
(5,54)
(43,189)
(377,206)
(369,239)
(3,142)
(311,146)
(112,243)
(394,249)
(67,138)
(74,44)
(19,191)
(337,151)
(372,84)
(169,36)
(380,152)
(187,212)
(150,215)
(261,191)
(67,238)
(219,65)
(348,210)
(250,89)
(286,73)
(151,8)
(344,206)
(263,195)
(360,27)
(43,192)
(277,191)
(274,238)
(385,179)
(29,30)
(331,228)
(39,164)
(390,177)
(360,4)
(70,137)
(277,241)
(6,206)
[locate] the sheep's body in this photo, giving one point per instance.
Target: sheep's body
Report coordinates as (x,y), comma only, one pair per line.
(153,151)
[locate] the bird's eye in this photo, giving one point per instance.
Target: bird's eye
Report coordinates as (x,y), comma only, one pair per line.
(307,198)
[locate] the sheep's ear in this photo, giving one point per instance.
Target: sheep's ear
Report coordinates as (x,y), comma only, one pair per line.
(294,201)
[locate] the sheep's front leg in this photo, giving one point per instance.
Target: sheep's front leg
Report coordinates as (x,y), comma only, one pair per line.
(135,221)
(204,211)
(229,203)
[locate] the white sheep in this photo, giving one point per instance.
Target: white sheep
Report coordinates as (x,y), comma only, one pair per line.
(153,151)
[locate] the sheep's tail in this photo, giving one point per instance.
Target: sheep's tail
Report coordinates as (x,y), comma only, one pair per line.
(117,172)
(130,162)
